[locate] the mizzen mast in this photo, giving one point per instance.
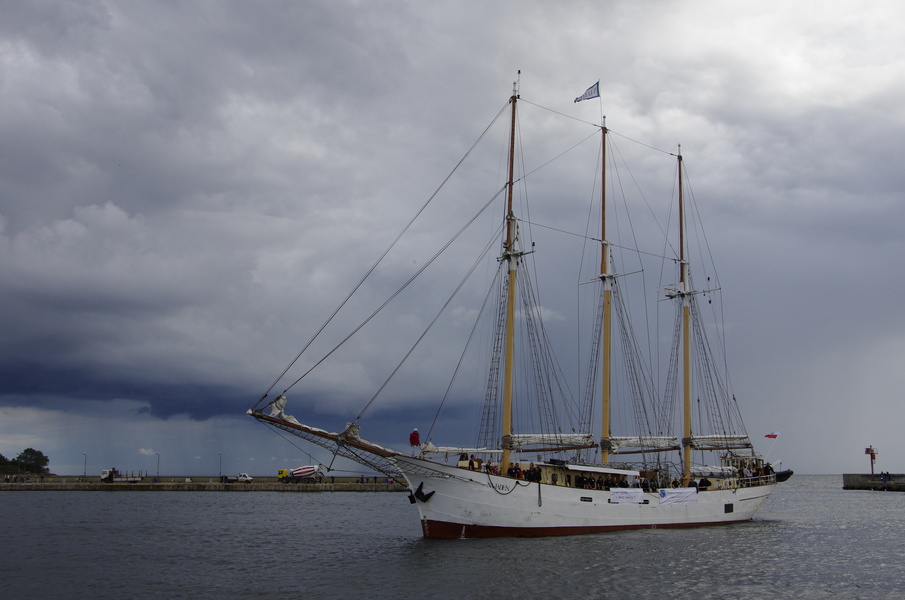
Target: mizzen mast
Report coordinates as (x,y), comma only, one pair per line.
(606,278)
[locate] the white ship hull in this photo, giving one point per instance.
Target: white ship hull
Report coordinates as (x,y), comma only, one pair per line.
(456,503)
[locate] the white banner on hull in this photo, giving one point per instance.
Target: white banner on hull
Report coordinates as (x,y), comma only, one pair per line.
(619,495)
(678,495)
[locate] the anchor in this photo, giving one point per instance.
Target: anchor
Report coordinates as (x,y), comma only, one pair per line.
(420,495)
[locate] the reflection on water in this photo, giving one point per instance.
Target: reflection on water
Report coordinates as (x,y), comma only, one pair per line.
(810,540)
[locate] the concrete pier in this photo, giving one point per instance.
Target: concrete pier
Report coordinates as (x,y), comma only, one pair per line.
(196,484)
(889,482)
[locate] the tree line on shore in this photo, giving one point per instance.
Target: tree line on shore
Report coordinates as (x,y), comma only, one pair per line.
(28,461)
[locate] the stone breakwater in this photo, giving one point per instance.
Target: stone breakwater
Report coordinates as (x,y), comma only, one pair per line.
(200,487)
(881,482)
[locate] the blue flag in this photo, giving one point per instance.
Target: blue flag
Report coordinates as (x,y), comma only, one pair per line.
(593,92)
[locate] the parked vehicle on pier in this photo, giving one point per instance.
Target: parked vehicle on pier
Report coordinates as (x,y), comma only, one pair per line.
(114,475)
(304,474)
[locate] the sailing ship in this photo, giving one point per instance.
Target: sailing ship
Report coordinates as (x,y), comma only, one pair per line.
(562,479)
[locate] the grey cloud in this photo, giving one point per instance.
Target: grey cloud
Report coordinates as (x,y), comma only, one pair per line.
(187,189)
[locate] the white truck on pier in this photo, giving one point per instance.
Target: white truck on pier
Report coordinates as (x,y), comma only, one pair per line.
(114,475)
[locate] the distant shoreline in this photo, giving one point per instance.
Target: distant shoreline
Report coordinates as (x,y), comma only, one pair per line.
(52,483)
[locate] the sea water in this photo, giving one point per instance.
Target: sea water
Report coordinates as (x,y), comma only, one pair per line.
(810,540)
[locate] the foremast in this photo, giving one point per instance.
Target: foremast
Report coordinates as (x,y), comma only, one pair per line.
(511,257)
(685,294)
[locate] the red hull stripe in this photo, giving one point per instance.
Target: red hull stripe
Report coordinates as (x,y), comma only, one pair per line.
(448,531)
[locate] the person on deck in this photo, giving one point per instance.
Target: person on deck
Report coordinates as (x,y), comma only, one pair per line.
(415,441)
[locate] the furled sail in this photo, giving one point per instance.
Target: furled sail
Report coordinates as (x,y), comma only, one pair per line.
(616,443)
(713,471)
(277,410)
(522,440)
(429,448)
(720,441)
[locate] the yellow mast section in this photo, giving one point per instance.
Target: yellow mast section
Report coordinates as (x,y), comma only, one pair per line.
(512,260)
(607,312)
(685,294)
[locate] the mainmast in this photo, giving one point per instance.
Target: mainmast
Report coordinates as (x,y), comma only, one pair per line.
(607,310)
(685,293)
(511,258)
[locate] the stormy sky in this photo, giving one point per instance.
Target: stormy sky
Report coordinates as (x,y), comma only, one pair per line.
(187,190)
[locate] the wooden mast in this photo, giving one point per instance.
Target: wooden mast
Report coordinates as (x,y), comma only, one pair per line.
(607,311)
(685,294)
(509,254)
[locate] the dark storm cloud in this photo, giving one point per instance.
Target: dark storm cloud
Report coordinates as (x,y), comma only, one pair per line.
(187,189)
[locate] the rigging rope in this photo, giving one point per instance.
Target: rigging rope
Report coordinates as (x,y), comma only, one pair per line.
(471,335)
(274,430)
(442,308)
(556,112)
(378,261)
(393,296)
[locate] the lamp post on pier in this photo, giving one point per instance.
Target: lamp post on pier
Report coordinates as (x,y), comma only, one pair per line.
(158,463)
(85,472)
